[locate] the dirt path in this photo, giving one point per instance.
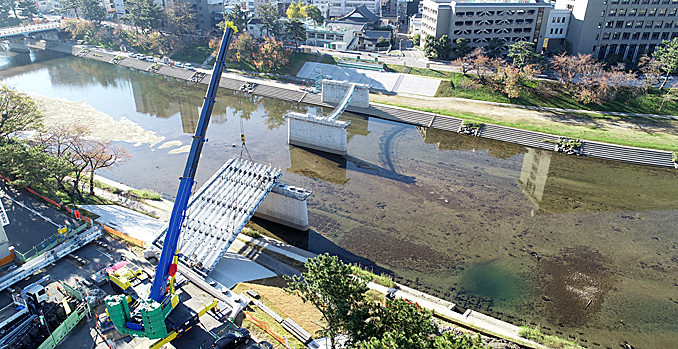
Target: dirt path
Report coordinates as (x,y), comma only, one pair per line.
(635,131)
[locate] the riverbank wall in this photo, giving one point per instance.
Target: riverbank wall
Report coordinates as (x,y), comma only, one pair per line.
(292,93)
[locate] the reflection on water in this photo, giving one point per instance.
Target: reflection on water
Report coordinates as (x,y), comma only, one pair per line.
(582,247)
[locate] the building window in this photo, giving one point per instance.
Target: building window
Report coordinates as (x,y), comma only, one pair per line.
(642,12)
(626,35)
(645,36)
(633,11)
(615,36)
(649,24)
(662,12)
(668,24)
(619,24)
(606,36)
(612,12)
(629,24)
(639,24)
(609,24)
(622,12)
(652,12)
(635,36)
(655,36)
(672,12)
(665,36)
(659,24)
(597,36)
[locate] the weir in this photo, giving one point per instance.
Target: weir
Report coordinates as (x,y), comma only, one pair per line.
(327,133)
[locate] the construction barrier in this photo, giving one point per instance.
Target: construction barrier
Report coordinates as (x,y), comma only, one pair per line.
(65,328)
(264,326)
(123,236)
(48,244)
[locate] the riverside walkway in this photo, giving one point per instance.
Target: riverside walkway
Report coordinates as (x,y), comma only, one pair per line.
(292,93)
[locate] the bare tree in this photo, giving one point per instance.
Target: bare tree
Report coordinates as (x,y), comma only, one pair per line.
(100,154)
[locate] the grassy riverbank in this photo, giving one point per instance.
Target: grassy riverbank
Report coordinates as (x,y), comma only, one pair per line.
(540,93)
(629,131)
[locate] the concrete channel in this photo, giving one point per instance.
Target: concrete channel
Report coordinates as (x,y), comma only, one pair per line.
(291,92)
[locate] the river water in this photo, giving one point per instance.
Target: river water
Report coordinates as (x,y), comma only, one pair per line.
(586,249)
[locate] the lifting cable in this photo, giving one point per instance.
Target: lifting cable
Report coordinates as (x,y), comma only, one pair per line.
(243,146)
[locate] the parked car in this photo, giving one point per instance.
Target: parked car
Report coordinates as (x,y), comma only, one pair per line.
(141,57)
(179,65)
(132,55)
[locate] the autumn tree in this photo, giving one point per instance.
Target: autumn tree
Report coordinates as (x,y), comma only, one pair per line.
(100,154)
(242,49)
(271,55)
(18,113)
(296,10)
(480,61)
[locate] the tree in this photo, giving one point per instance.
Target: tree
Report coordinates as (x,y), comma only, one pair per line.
(181,18)
(494,47)
(416,39)
(271,55)
(670,96)
(296,11)
(27,8)
(69,5)
(480,62)
(243,48)
(313,12)
(144,14)
(270,19)
(331,287)
(18,113)
(100,154)
(444,47)
(430,46)
(238,17)
(522,53)
(92,10)
(462,48)
(295,31)
(666,57)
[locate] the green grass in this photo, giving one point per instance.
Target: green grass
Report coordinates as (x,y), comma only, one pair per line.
(591,134)
(145,194)
(383,280)
(193,54)
(539,93)
(550,341)
(291,69)
(251,232)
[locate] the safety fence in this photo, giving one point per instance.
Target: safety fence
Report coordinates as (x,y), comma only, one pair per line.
(62,235)
(65,328)
(264,326)
(125,237)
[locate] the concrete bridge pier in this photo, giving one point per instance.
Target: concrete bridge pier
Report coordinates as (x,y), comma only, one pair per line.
(48,35)
(327,133)
(17,43)
(286,205)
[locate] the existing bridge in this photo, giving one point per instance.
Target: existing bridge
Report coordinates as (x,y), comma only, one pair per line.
(18,36)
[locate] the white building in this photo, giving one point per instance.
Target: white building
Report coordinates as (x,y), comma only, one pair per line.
(338,8)
(336,36)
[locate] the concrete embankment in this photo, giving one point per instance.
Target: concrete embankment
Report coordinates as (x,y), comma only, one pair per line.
(291,92)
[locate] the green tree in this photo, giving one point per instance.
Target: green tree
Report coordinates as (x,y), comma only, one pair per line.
(5,19)
(27,8)
(296,11)
(494,47)
(430,46)
(331,287)
(238,17)
(416,39)
(242,49)
(69,5)
(18,113)
(270,19)
(666,57)
(313,12)
(32,166)
(462,48)
(181,18)
(522,53)
(444,47)
(144,14)
(295,31)
(92,10)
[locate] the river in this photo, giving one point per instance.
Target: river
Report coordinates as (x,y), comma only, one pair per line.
(586,249)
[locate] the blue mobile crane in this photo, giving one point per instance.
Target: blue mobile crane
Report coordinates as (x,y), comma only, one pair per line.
(149,317)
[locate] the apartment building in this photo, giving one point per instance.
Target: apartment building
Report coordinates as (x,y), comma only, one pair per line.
(555,37)
(625,28)
(482,20)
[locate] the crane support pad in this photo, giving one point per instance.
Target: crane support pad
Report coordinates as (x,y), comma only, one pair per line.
(220,209)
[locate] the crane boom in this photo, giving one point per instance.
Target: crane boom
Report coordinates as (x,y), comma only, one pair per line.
(169,247)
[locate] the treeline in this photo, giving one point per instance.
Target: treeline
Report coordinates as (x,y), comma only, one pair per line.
(45,158)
